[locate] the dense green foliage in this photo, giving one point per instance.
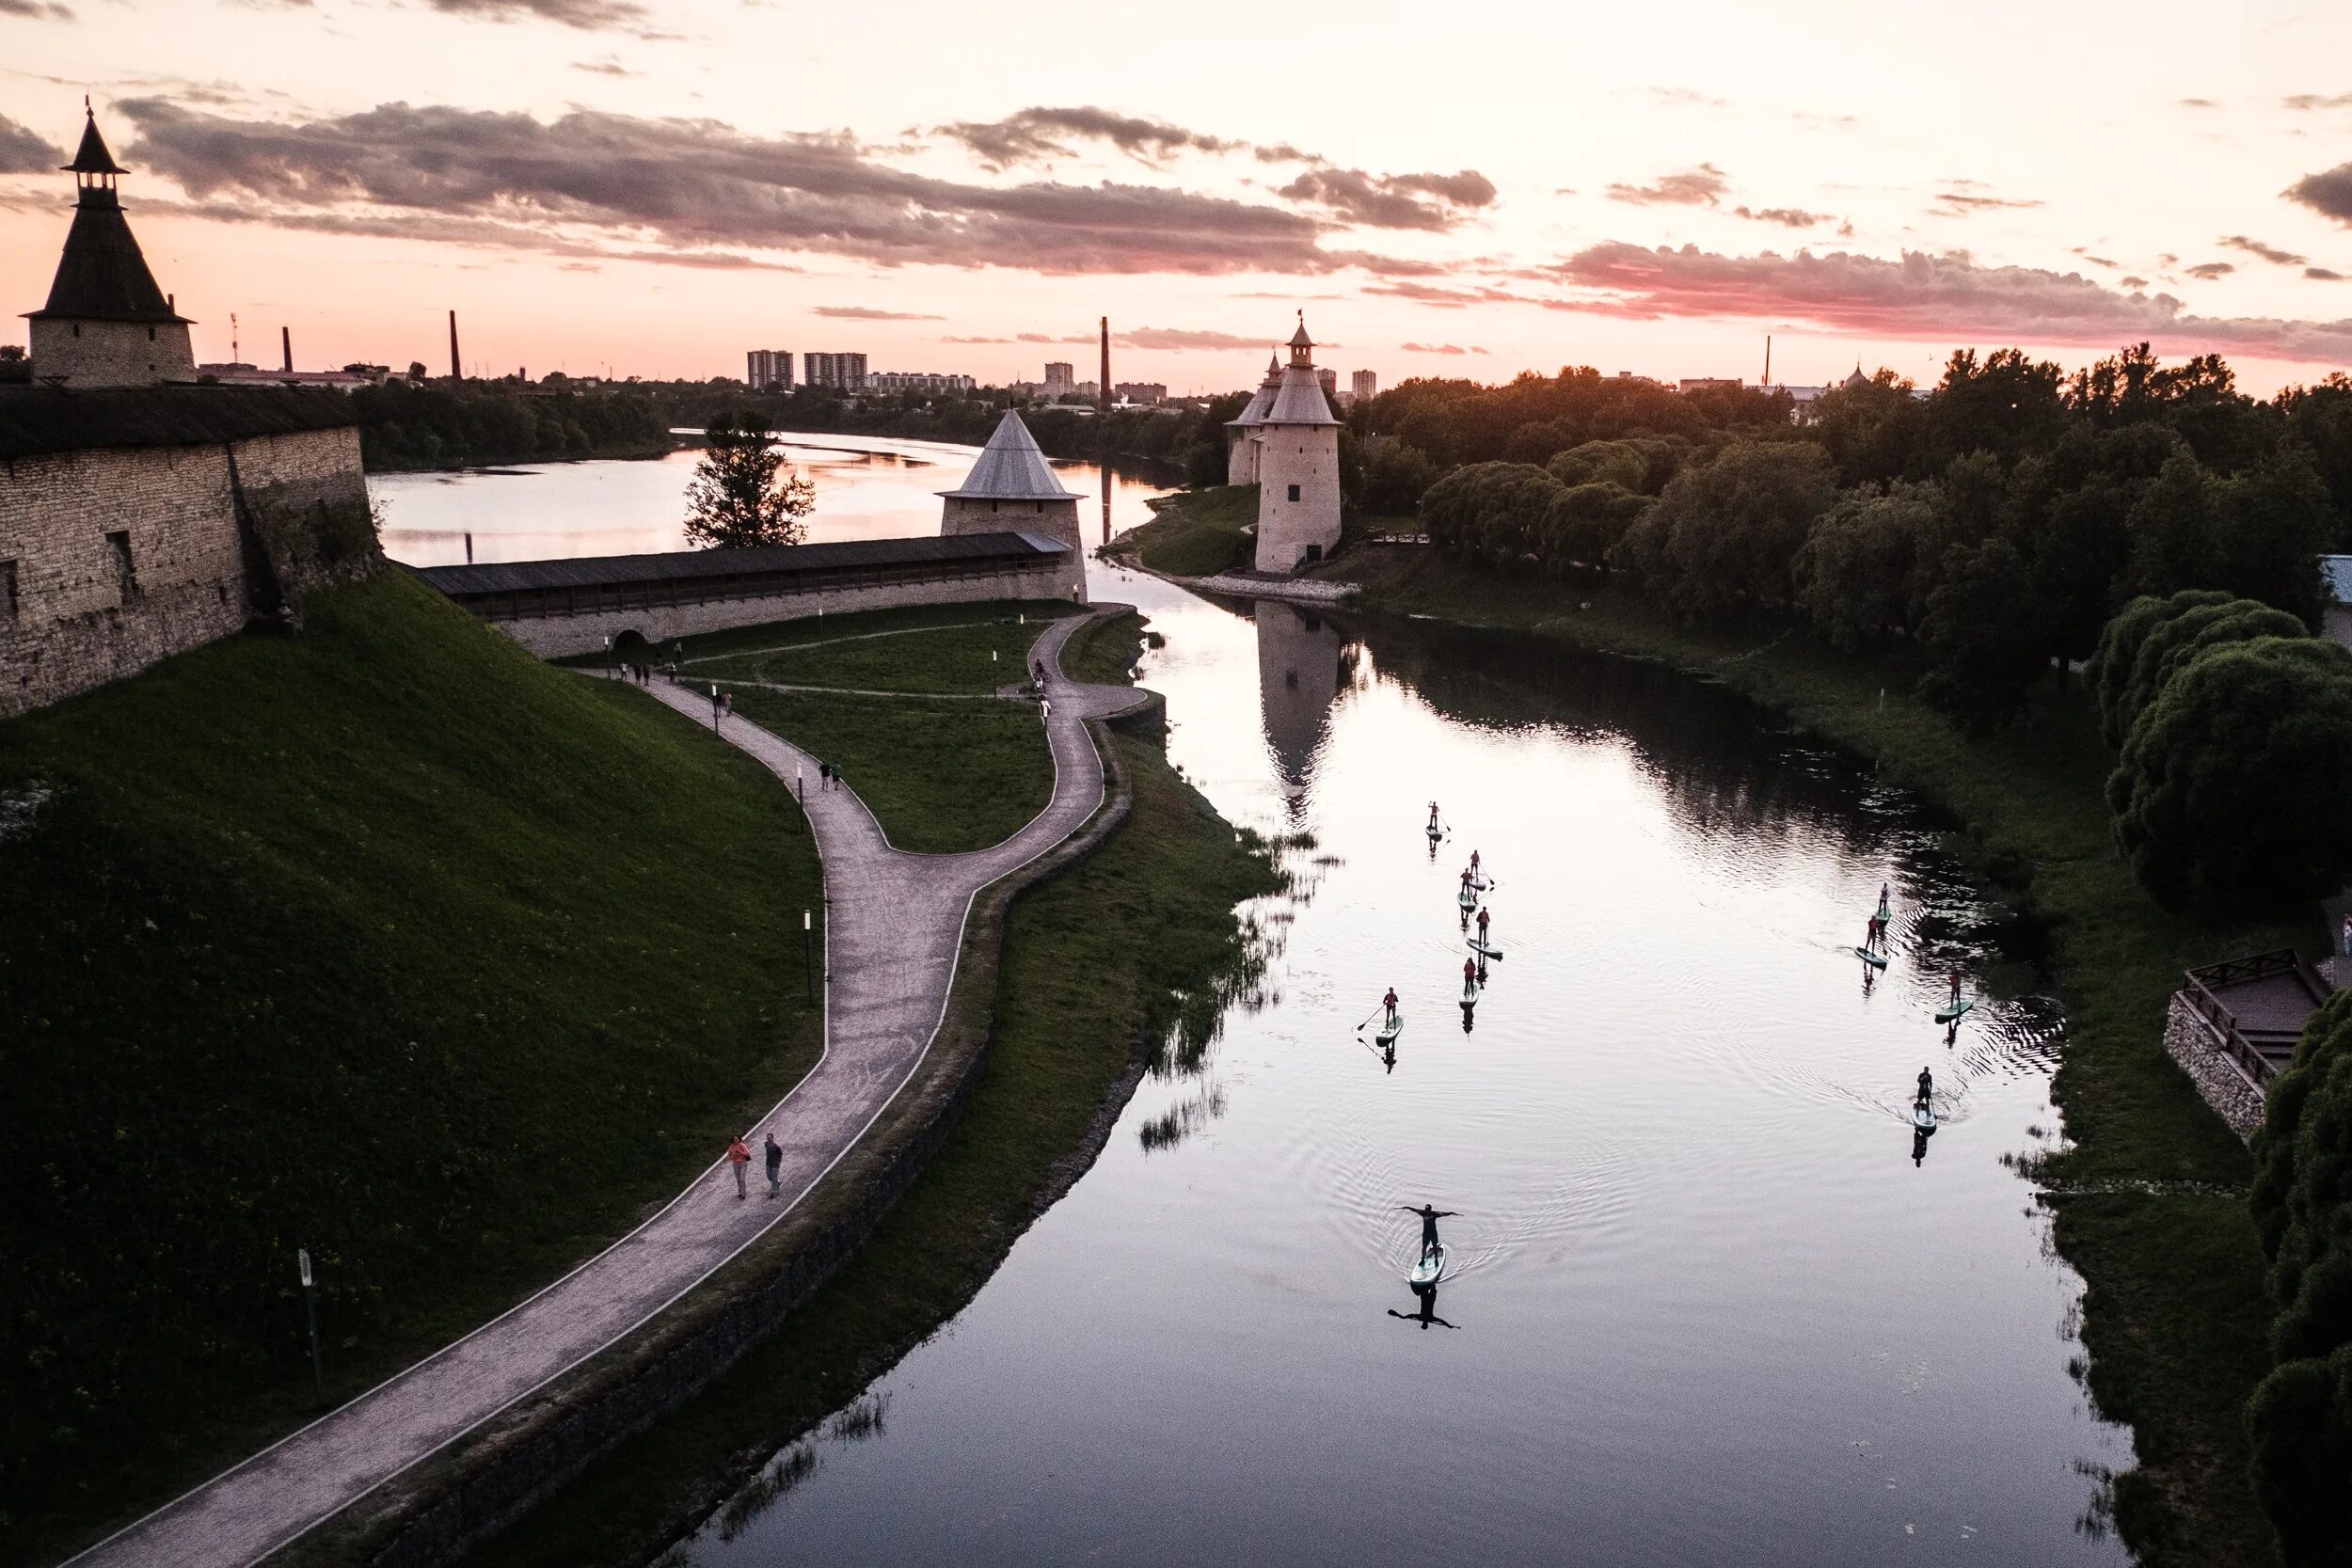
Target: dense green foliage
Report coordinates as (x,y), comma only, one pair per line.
(1196,534)
(2117,656)
(1139,936)
(2029,505)
(940,774)
(406,425)
(387,941)
(744,494)
(2301,1415)
(2223,793)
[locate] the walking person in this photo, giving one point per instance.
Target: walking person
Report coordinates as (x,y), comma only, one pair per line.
(775,1165)
(738,1157)
(1044,708)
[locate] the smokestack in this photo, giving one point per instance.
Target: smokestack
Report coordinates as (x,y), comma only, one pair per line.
(455,373)
(285,347)
(1768,359)
(1106,366)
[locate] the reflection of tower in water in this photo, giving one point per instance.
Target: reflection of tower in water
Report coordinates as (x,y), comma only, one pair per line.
(1298,675)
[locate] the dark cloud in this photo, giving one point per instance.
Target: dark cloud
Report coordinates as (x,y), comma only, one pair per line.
(589,16)
(1787,218)
(2205,272)
(1702,186)
(699,187)
(2318,101)
(2267,252)
(2132,282)
(2322,275)
(605,68)
(1438,348)
(1283,153)
(23,152)
(866,313)
(1431,201)
(41,9)
(1173,340)
(2198,103)
(1038,134)
(1922,298)
(1961,199)
(2329,193)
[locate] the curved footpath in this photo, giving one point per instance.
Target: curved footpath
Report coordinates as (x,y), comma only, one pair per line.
(894,926)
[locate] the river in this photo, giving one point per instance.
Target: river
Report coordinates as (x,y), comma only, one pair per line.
(1712,1300)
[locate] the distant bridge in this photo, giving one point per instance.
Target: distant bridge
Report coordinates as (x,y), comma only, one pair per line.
(555,608)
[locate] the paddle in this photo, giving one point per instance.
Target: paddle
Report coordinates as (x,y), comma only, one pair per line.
(1369,1017)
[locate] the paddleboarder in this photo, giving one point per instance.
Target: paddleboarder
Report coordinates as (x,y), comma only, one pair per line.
(1429,1218)
(1886,902)
(1470,979)
(1927,1088)
(1873,935)
(1473,863)
(1954,987)
(1388,1002)
(1433,818)
(1482,925)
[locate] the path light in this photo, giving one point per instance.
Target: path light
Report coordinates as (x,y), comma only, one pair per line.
(310,1311)
(808,955)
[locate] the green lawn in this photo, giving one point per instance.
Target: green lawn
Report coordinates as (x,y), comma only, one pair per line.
(1195,534)
(2175,1305)
(1090,956)
(1104,653)
(940,775)
(387,941)
(971,659)
(807,629)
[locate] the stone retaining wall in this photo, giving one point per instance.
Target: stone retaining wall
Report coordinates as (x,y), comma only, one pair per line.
(2188,1040)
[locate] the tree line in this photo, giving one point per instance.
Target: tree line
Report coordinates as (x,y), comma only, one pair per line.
(411,426)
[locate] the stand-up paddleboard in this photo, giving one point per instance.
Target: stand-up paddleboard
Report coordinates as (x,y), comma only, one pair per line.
(1429,1270)
(1480,884)
(1952,1013)
(1389,1031)
(1468,899)
(1923,1116)
(1483,951)
(1869,957)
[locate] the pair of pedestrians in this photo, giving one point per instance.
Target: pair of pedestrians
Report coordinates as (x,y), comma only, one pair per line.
(828,776)
(739,1158)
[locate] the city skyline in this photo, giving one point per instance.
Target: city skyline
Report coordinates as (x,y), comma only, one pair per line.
(597,184)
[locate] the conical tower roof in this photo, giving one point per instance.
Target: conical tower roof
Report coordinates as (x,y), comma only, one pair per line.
(102,274)
(1299,338)
(91,157)
(1012,469)
(1254,411)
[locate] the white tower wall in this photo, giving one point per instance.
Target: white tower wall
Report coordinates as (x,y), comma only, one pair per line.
(1298,494)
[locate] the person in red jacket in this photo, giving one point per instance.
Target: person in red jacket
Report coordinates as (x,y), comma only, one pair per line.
(738,1156)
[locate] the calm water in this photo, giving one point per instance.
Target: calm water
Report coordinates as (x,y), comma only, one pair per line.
(1713,1301)
(867,488)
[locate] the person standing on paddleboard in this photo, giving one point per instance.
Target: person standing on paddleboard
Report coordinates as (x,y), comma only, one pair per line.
(1474,865)
(1927,1088)
(1873,936)
(1388,1002)
(1470,979)
(1432,817)
(1954,987)
(1429,1218)
(1482,925)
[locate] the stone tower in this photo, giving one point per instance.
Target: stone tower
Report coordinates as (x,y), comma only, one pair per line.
(1012,489)
(106,324)
(1298,466)
(1241,434)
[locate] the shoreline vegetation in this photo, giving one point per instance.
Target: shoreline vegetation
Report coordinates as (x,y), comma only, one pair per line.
(2148,1200)
(1086,999)
(417,953)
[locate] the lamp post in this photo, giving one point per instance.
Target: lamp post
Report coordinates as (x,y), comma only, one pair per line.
(310,1311)
(608,658)
(714,706)
(808,955)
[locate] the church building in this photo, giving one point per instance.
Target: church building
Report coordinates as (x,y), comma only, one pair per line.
(1012,489)
(1297,464)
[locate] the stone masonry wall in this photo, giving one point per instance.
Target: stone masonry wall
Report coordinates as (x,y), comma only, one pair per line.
(194,575)
(2188,1040)
(555,637)
(1055,519)
(112,354)
(1309,457)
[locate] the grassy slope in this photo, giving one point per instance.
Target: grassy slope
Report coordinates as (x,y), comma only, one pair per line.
(969,659)
(1104,653)
(941,775)
(2174,1311)
(1195,534)
(810,629)
(1090,956)
(387,941)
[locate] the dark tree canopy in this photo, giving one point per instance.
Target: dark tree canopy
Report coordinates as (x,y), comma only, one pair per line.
(2172,644)
(743,493)
(2229,789)
(1723,535)
(2119,649)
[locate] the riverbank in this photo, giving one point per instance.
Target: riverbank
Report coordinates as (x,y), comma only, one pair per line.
(1093,964)
(1193,533)
(2174,1315)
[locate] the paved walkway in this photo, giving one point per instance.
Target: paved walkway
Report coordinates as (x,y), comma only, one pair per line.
(895,925)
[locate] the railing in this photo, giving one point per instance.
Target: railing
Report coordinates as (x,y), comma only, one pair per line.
(2207,980)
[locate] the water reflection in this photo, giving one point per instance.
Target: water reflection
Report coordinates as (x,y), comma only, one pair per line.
(1299,674)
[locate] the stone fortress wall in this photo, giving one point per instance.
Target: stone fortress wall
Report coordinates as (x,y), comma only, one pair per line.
(1298,494)
(113,353)
(115,557)
(1054,519)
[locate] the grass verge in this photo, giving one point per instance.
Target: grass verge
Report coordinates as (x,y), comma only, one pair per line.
(1105,654)
(1194,533)
(968,660)
(389,942)
(1091,958)
(2175,1304)
(940,775)
(810,630)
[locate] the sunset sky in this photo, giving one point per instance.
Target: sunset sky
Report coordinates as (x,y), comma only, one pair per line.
(653,187)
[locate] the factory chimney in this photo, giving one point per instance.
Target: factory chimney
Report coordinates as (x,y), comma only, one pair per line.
(455,373)
(285,347)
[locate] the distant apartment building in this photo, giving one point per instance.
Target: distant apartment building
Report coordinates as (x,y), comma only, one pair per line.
(1141,392)
(1363,386)
(1061,379)
(922,383)
(843,373)
(1706,383)
(1329,380)
(770,370)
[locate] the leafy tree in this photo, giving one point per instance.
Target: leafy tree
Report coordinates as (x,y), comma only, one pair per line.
(1871,429)
(2321,418)
(2111,668)
(2081,542)
(1861,558)
(2172,644)
(2273,520)
(2006,405)
(2227,792)
(1396,475)
(1725,534)
(1583,524)
(743,493)
(2300,1419)
(1984,633)
(2175,544)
